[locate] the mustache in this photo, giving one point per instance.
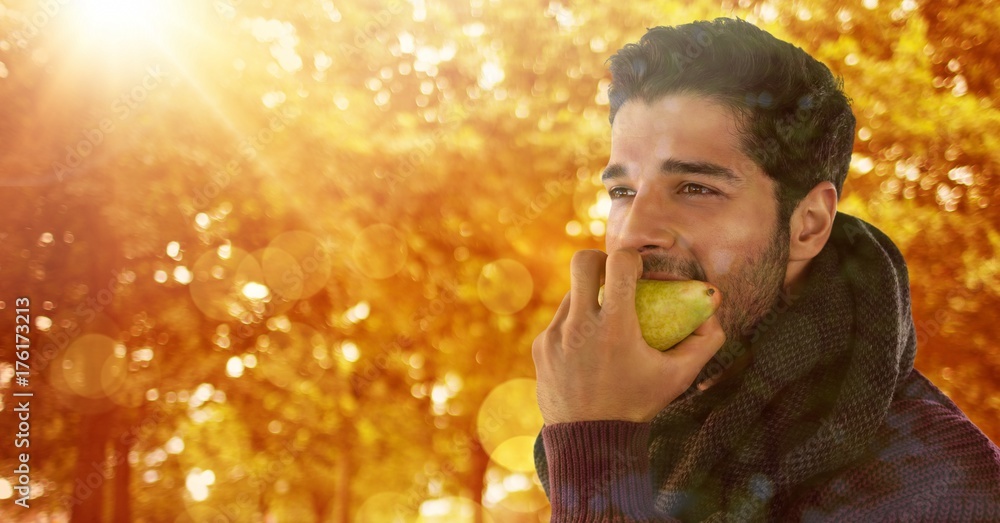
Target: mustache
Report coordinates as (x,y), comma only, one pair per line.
(686,269)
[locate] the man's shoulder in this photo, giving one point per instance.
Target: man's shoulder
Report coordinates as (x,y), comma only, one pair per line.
(927,462)
(923,422)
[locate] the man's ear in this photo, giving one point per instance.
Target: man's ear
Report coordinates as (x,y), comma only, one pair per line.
(811,222)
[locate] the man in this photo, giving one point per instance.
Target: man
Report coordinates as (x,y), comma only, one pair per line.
(798,400)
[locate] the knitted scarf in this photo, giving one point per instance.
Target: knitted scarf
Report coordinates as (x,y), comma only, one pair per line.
(824,369)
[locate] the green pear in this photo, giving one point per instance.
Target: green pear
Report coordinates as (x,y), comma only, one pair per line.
(671,310)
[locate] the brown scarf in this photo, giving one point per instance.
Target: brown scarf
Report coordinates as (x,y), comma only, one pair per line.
(819,385)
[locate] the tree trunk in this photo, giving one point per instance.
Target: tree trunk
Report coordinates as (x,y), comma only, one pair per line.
(342,484)
(97,415)
(480,461)
(262,503)
(320,505)
(91,472)
(123,475)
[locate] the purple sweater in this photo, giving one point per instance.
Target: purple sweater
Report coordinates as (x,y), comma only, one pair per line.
(928,463)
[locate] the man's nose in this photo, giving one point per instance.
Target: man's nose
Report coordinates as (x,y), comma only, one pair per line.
(649,224)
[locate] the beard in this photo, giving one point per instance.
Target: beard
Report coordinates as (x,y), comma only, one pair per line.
(754,288)
(750,290)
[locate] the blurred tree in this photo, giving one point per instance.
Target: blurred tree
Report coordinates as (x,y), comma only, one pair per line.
(315,237)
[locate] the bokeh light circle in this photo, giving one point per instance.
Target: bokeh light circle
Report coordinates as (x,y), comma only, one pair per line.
(251,271)
(214,283)
(93,366)
(379,251)
(516,453)
(296,265)
(508,422)
(518,493)
(505,286)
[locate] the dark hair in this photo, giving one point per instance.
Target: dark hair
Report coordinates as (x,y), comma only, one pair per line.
(795,119)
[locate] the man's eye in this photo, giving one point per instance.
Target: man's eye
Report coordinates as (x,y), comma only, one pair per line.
(697,190)
(618,192)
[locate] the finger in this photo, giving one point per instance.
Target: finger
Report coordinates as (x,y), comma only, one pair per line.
(586,269)
(552,335)
(563,308)
(692,354)
(623,269)
(561,312)
(707,384)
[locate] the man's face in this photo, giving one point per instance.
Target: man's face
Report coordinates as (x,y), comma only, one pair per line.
(695,206)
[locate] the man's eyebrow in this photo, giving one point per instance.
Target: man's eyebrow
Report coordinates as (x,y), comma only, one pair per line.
(714,170)
(612,172)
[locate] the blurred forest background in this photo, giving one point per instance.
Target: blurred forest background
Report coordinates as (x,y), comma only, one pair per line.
(286,259)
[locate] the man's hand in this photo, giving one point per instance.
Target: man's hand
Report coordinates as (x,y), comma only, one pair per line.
(592,363)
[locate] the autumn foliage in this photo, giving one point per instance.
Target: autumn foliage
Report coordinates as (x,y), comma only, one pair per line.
(287,259)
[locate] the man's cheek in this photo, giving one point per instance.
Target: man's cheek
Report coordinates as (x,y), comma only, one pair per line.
(722,261)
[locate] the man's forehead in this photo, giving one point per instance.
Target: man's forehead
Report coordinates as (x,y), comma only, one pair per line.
(681,126)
